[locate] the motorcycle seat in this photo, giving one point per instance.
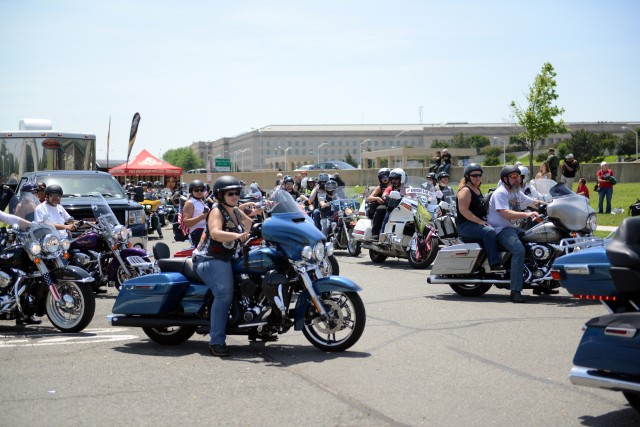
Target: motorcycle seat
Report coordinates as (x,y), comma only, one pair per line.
(183,266)
(624,248)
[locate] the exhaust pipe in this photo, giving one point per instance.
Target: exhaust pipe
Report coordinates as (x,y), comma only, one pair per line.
(153,322)
(590,378)
(451,281)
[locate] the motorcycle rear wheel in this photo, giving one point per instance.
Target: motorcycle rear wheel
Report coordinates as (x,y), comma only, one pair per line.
(470,290)
(173,335)
(348,318)
(76,308)
(377,257)
(633,399)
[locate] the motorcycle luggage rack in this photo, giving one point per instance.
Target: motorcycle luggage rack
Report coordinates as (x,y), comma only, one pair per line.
(137,261)
(581,242)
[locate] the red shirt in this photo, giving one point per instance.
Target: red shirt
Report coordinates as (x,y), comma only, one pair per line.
(584,190)
(601,174)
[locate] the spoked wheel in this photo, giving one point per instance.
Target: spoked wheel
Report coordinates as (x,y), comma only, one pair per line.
(75,309)
(345,325)
(329,266)
(354,247)
(172,335)
(470,290)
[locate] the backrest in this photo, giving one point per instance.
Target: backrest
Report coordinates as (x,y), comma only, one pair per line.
(161,250)
(624,248)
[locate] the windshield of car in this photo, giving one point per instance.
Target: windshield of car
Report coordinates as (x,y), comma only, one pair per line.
(87,185)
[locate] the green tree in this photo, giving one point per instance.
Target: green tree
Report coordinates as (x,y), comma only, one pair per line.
(491,161)
(479,142)
(460,141)
(538,118)
(584,145)
(183,157)
(627,145)
(439,144)
(350,160)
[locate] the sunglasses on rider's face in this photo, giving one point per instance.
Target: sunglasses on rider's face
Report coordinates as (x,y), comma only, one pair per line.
(476,175)
(514,176)
(198,190)
(232,193)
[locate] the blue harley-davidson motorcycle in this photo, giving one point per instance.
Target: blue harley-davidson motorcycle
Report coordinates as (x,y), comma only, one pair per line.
(608,355)
(278,285)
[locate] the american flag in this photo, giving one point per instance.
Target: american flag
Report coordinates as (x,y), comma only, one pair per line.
(47,280)
(184,229)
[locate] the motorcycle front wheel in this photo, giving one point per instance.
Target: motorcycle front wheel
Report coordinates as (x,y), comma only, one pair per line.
(427,259)
(345,326)
(470,290)
(75,309)
(330,267)
(173,335)
(377,257)
(354,247)
(121,274)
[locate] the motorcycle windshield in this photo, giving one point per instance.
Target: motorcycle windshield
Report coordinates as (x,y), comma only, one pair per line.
(102,212)
(282,203)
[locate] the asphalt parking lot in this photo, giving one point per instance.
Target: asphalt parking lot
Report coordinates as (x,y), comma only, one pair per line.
(427,357)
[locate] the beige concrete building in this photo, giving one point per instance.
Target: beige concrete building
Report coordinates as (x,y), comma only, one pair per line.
(287,147)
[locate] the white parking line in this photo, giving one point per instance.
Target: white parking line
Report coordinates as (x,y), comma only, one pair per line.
(88,336)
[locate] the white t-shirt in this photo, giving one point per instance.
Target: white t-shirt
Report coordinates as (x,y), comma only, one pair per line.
(9,219)
(502,199)
(56,215)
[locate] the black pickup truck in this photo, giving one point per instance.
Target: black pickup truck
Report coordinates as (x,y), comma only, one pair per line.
(83,183)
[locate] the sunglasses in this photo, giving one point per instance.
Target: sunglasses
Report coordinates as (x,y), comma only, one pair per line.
(476,175)
(514,176)
(198,189)
(232,193)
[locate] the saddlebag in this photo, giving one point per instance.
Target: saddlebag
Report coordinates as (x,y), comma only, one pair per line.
(151,294)
(611,343)
(586,272)
(446,227)
(457,259)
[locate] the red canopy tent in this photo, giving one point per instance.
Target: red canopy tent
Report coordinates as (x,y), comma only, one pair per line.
(146,163)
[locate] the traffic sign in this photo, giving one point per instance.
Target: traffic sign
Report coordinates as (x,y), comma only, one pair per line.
(222,165)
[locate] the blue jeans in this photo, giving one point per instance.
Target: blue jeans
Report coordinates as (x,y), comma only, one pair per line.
(608,193)
(509,238)
(316,219)
(217,274)
(487,234)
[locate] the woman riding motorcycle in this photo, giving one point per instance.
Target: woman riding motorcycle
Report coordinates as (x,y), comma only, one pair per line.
(375,199)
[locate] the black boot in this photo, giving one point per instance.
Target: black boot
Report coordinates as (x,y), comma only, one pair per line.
(516,297)
(29,320)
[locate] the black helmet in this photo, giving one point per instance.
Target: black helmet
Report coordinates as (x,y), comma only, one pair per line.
(311,181)
(157,184)
(29,187)
(196,183)
(471,167)
(323,177)
(288,178)
(224,183)
(508,170)
(442,175)
(53,189)
(331,186)
(141,183)
(431,175)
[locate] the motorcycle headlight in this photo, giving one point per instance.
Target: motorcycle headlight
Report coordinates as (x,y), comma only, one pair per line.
(51,243)
(328,248)
(592,222)
(319,251)
(120,232)
(65,244)
(81,259)
(307,253)
(35,248)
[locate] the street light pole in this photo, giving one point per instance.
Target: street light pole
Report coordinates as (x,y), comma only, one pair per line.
(242,158)
(360,162)
(324,143)
(396,143)
(285,157)
(504,149)
(628,128)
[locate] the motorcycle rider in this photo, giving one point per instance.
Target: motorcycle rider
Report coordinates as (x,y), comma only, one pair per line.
(397,181)
(506,206)
(472,210)
(57,215)
(287,184)
(325,205)
(28,201)
(431,181)
(444,188)
(375,199)
(524,179)
(227,227)
(317,195)
(195,210)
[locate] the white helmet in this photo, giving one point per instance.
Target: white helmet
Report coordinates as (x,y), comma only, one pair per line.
(524,172)
(398,172)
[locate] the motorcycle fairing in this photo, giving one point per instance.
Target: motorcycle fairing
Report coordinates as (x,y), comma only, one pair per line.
(291,232)
(325,284)
(605,346)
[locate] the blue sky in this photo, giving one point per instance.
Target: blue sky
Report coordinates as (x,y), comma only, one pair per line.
(200,70)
